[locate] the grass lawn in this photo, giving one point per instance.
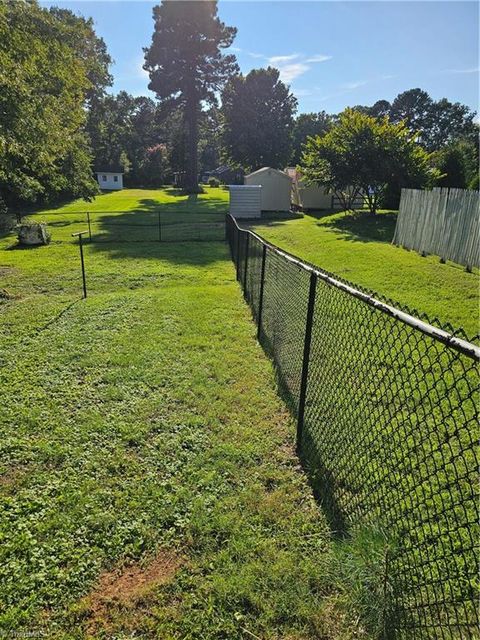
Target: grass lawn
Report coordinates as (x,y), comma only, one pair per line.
(148,483)
(358,248)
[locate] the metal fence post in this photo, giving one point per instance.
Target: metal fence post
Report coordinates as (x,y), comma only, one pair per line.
(159,227)
(306,356)
(260,298)
(89,226)
(237,259)
(245,270)
(80,243)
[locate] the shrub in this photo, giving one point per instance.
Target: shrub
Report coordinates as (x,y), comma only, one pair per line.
(213,182)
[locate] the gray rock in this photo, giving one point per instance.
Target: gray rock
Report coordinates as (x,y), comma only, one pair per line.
(33,233)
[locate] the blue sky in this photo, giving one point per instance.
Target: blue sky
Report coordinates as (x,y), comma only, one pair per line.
(333,54)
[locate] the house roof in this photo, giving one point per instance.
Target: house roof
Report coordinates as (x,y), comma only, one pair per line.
(109,170)
(269,170)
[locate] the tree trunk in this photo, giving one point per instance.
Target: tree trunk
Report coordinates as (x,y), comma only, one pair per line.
(191,112)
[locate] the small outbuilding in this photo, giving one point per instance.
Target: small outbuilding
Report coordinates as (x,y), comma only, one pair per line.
(306,197)
(110,179)
(245,200)
(276,188)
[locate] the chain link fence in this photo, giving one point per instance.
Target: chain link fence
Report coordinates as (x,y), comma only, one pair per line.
(156,225)
(386,406)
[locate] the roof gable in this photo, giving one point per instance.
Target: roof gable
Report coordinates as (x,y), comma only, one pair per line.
(269,170)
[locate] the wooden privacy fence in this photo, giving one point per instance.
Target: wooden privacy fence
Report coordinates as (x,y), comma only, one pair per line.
(445,222)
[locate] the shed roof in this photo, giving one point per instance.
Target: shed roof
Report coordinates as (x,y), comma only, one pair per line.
(269,170)
(109,170)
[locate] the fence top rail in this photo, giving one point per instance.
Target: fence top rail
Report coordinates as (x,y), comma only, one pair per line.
(459,344)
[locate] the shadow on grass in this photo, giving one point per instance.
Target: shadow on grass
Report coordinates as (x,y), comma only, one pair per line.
(187,231)
(361,226)
(322,481)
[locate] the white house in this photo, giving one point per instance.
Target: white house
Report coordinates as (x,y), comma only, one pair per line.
(110,180)
(276,188)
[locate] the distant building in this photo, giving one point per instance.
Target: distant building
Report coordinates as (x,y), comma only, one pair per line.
(110,179)
(227,174)
(276,188)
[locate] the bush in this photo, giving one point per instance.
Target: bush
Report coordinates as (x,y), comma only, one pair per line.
(474,183)
(213,182)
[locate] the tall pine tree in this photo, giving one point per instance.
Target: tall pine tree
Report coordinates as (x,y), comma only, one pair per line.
(186,65)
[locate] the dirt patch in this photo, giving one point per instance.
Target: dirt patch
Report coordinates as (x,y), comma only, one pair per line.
(5,295)
(123,589)
(10,479)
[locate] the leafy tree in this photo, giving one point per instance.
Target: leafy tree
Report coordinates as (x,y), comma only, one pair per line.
(154,168)
(380,109)
(305,125)
(257,119)
(457,164)
(44,83)
(121,129)
(438,123)
(186,65)
(364,154)
(79,34)
(451,165)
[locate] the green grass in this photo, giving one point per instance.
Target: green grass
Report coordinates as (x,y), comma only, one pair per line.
(135,215)
(144,422)
(358,247)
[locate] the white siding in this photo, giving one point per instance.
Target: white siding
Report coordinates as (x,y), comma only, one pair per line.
(245,201)
(110,181)
(276,188)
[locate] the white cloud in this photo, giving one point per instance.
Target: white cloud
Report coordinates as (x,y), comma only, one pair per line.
(471,70)
(289,72)
(291,65)
(318,58)
(349,86)
(278,61)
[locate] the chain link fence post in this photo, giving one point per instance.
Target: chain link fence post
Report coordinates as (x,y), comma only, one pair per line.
(245,269)
(262,287)
(306,356)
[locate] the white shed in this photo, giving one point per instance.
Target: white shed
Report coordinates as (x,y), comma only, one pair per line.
(245,200)
(307,197)
(276,187)
(110,180)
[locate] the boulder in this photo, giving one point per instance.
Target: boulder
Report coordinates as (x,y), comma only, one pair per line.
(33,233)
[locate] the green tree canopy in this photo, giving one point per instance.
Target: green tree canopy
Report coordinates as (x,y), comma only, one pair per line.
(364,154)
(306,125)
(186,65)
(257,120)
(45,81)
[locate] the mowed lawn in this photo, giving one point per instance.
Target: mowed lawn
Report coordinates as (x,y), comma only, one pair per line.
(148,481)
(358,248)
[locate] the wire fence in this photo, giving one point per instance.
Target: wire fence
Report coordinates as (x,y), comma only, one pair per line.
(386,408)
(138,226)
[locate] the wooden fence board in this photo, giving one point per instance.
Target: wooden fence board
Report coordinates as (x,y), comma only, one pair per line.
(444,222)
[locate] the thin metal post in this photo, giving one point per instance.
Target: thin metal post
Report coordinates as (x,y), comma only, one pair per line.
(262,286)
(238,253)
(79,235)
(306,356)
(245,269)
(159,227)
(89,227)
